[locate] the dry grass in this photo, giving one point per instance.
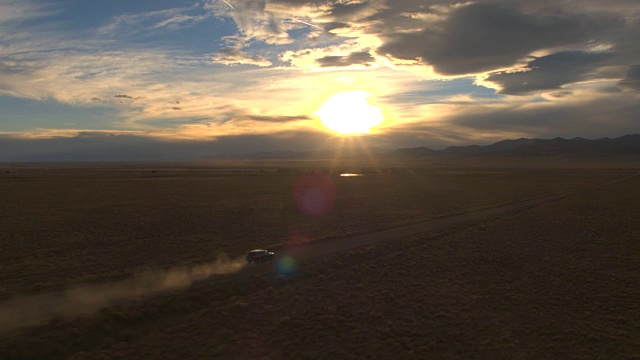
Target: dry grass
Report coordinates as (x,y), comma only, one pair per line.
(69,225)
(556,281)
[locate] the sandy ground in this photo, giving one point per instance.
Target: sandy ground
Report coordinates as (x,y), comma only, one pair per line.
(550,277)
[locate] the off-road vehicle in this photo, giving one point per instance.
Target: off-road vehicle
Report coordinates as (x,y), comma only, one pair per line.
(260,256)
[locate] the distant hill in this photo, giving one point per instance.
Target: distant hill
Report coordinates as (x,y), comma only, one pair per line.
(580,147)
(576,147)
(415,152)
(301,155)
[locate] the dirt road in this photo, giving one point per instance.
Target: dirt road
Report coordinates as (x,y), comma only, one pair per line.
(325,247)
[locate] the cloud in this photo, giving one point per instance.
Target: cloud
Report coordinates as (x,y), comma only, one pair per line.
(234,55)
(540,55)
(353,10)
(482,37)
(206,92)
(74,77)
(355,58)
(582,114)
(105,146)
(150,22)
(278,119)
(18,11)
(632,79)
(550,72)
(329,26)
(586,113)
(254,22)
(453,39)
(324,11)
(274,22)
(350,52)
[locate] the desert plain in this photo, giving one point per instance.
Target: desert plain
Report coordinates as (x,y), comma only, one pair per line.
(158,248)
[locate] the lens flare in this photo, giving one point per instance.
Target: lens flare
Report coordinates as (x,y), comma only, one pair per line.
(286,266)
(315,194)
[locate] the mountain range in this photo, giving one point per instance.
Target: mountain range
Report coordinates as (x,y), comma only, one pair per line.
(580,147)
(557,147)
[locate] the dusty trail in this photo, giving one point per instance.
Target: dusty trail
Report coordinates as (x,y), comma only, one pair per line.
(37,309)
(33,310)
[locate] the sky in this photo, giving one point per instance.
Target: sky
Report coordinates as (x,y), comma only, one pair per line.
(172,79)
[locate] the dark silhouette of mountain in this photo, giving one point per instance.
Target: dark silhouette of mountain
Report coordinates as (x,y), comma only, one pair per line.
(508,145)
(271,155)
(301,155)
(414,152)
(580,147)
(470,150)
(625,145)
(576,147)
(475,150)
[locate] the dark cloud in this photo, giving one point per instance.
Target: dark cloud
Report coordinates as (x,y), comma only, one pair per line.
(550,72)
(483,37)
(613,115)
(300,54)
(561,93)
(234,54)
(278,119)
(632,80)
(348,10)
(13,67)
(429,135)
(334,9)
(176,108)
(626,42)
(96,99)
(335,25)
(101,146)
(123,97)
(96,134)
(355,58)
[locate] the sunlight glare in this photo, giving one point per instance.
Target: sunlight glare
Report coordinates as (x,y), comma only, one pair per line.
(349,113)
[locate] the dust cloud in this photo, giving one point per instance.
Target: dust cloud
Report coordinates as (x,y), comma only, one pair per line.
(86,299)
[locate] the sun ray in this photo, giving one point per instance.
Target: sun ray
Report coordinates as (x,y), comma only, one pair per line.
(373,160)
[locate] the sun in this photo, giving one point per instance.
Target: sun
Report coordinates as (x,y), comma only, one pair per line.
(349,113)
